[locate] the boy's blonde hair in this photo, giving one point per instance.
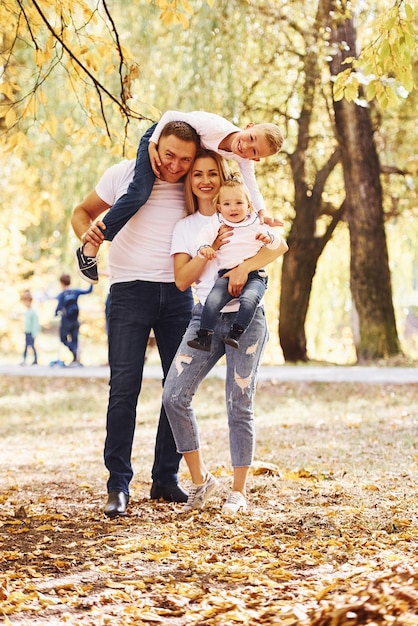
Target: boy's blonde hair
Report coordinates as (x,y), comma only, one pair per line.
(234,182)
(273,135)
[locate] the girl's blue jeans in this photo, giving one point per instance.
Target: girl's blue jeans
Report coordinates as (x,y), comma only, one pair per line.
(249,299)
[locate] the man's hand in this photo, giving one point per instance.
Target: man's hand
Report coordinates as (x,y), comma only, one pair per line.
(154,158)
(237,279)
(94,235)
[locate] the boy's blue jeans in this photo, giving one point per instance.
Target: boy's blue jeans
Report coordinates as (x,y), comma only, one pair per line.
(138,192)
(249,299)
(189,369)
(135,308)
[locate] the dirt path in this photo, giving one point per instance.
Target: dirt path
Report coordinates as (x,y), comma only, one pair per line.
(331,535)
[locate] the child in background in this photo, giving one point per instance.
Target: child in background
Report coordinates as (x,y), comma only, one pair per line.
(234,209)
(67,305)
(216,133)
(32,327)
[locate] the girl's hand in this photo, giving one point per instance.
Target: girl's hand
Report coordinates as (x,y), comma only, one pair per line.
(206,252)
(264,238)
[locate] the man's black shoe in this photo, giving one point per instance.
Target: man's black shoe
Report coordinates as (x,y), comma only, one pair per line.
(87,266)
(169,493)
(116,504)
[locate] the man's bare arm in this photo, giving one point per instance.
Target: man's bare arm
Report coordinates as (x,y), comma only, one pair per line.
(83,218)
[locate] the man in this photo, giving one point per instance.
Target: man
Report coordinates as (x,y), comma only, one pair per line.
(143,296)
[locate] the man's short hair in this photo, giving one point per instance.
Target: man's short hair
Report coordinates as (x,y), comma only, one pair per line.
(182,131)
(273,135)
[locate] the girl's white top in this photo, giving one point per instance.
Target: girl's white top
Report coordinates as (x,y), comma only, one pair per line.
(242,244)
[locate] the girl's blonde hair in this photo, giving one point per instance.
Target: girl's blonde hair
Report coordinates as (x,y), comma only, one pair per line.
(233,182)
(224,172)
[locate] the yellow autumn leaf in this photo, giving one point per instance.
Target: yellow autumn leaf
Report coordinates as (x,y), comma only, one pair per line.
(10,118)
(187,7)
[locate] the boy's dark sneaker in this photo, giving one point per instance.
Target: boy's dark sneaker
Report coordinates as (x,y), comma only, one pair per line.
(202,341)
(87,266)
(233,336)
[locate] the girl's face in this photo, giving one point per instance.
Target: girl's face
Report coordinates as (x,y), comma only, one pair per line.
(233,204)
(205,178)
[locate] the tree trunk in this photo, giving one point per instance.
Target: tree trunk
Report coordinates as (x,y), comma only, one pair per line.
(305,245)
(298,270)
(369,266)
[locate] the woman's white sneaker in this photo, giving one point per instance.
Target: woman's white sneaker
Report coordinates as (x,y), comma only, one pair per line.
(234,503)
(199,494)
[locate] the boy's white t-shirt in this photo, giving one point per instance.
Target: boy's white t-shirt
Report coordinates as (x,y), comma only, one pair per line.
(212,130)
(141,249)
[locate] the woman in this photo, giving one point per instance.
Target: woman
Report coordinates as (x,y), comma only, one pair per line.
(190,367)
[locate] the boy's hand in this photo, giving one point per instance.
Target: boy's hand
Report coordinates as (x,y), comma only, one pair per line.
(154,158)
(270,221)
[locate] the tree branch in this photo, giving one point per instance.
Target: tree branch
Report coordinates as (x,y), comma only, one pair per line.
(100,88)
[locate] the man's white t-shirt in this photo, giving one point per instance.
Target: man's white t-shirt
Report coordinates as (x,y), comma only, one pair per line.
(141,249)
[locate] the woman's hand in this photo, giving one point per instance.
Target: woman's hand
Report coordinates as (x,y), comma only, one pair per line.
(224,234)
(238,276)
(154,157)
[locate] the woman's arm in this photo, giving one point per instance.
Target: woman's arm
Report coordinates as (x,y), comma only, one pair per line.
(239,275)
(187,270)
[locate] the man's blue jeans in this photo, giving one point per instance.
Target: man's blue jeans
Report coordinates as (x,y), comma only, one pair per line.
(135,308)
(249,299)
(137,194)
(191,366)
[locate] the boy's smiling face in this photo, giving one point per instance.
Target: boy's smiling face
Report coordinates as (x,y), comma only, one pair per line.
(251,143)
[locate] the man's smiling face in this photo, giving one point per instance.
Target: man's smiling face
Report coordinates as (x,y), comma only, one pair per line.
(176,156)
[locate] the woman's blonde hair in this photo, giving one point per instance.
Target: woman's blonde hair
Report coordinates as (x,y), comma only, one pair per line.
(224,173)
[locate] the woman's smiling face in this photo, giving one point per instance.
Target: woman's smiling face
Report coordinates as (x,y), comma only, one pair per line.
(205,178)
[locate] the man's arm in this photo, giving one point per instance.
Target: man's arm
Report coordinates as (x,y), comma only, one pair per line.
(84,215)
(239,275)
